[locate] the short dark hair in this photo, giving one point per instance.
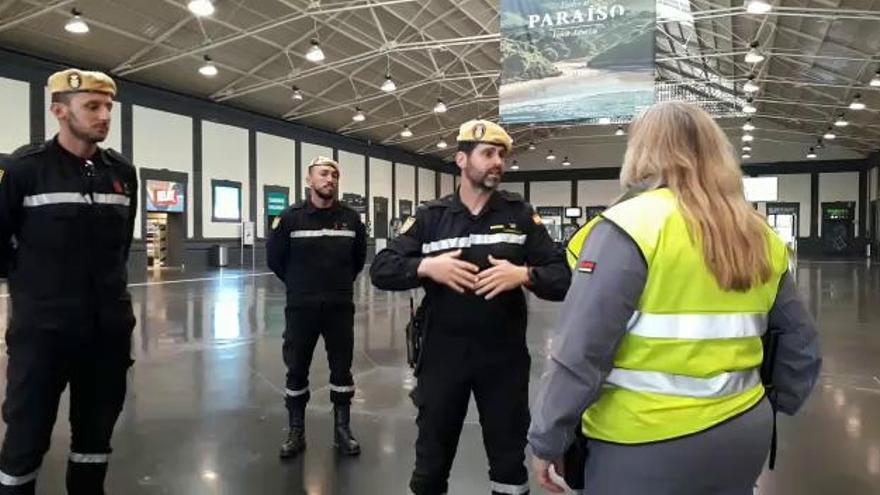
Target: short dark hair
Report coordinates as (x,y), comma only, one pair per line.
(62,97)
(467,147)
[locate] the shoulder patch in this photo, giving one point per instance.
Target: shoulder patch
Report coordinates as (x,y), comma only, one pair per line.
(276,222)
(407,225)
(586,266)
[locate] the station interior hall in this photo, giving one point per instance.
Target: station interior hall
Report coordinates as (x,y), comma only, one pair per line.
(223,104)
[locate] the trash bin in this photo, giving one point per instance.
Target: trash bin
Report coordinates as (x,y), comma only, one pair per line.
(221,256)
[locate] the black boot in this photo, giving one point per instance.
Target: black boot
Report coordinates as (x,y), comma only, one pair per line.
(85,478)
(342,437)
(296,436)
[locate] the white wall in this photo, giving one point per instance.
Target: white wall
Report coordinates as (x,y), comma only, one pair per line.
(224,157)
(873,178)
(276,160)
(114,138)
(163,140)
(353,178)
(310,152)
(514,187)
(598,192)
(447,184)
(840,186)
(427,185)
(380,185)
(405,182)
(15,105)
(796,189)
(555,193)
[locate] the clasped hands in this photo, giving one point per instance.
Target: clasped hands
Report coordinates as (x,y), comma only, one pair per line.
(461,276)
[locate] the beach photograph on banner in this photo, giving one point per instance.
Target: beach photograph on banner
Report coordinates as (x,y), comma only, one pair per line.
(576,60)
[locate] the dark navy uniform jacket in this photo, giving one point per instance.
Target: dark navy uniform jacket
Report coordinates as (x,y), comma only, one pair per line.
(66,225)
(317,252)
(507,228)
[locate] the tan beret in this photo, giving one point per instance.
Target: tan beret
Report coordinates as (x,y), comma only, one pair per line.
(323,160)
(484,131)
(77,81)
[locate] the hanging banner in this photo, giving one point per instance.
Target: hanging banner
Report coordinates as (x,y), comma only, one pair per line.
(576,60)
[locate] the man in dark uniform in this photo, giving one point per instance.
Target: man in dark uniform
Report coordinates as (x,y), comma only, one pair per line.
(67,210)
(472,251)
(318,248)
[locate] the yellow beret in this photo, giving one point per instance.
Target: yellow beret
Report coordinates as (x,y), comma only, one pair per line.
(323,160)
(76,81)
(484,131)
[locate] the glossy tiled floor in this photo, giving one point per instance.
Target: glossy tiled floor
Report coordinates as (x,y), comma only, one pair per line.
(204,413)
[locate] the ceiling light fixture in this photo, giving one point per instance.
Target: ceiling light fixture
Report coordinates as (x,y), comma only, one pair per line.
(388,86)
(857,103)
(875,81)
(551,156)
(819,144)
(532,147)
(758,7)
(442,144)
(209,69)
(297,94)
(841,122)
(565,162)
(315,54)
(406,132)
(515,166)
(748,138)
(753,56)
(201,8)
(829,134)
(747,148)
(812,153)
(749,107)
(619,131)
(750,86)
(358,115)
(748,126)
(76,24)
(440,107)
(746,156)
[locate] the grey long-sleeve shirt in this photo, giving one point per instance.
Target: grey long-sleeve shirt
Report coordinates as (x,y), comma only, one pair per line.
(594,317)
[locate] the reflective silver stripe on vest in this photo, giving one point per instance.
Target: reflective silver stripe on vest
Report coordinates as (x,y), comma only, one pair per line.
(112,199)
(511,489)
(657,382)
(295,393)
(341,389)
(698,326)
(89,458)
(9,480)
(55,199)
(473,240)
(302,234)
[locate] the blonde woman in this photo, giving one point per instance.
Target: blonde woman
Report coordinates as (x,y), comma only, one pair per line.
(660,343)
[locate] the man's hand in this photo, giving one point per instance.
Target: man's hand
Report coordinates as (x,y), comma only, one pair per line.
(541,471)
(448,270)
(502,277)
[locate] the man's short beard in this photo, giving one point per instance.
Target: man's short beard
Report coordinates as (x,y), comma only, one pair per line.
(82,135)
(323,195)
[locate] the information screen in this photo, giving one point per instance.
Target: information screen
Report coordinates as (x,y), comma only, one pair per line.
(165,196)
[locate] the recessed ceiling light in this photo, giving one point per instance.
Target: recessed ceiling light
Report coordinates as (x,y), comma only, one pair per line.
(201,8)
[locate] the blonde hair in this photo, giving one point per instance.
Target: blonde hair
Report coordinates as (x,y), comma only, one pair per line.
(678,145)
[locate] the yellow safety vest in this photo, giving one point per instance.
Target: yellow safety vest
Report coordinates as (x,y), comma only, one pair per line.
(691,355)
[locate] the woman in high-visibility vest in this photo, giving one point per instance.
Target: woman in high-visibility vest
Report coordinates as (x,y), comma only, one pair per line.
(660,346)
